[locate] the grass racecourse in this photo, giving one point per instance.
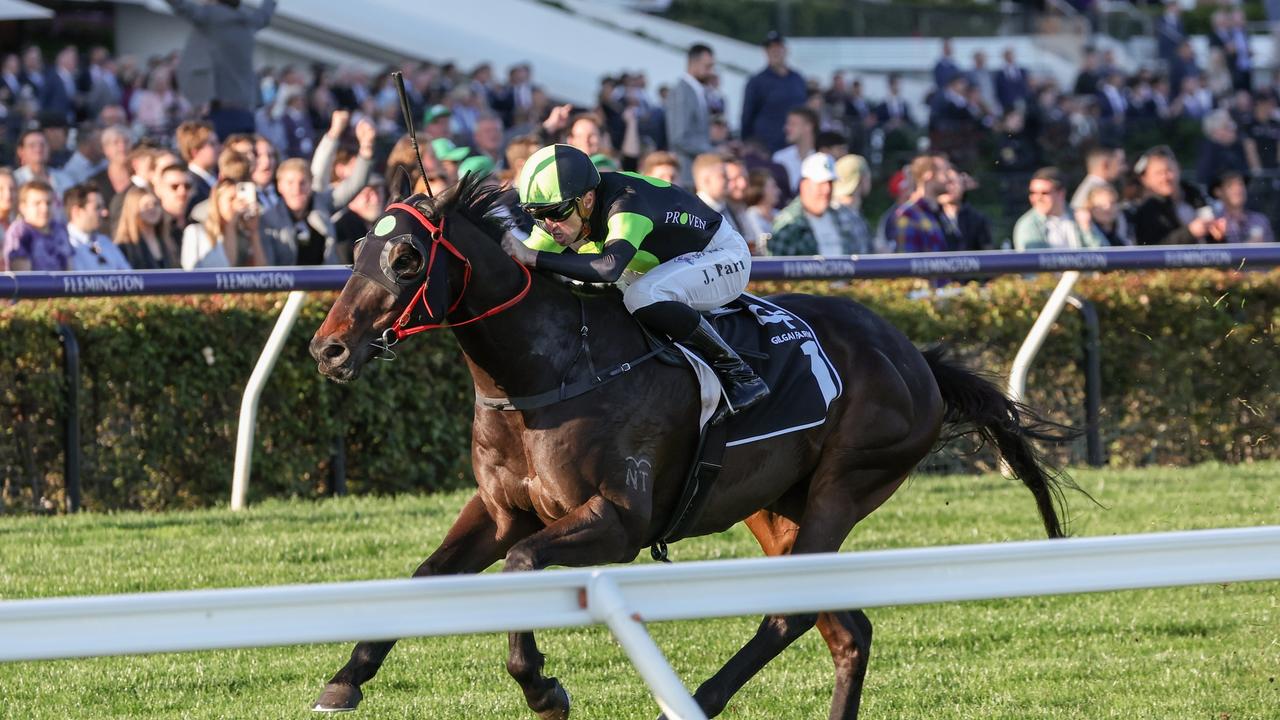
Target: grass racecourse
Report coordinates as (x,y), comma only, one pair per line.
(1208,652)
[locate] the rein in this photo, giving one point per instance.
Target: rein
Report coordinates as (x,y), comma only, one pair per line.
(401,329)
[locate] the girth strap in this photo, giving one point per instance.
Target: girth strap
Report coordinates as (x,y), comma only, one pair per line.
(707,462)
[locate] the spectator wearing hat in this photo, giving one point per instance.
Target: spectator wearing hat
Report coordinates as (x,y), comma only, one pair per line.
(450,155)
(917,225)
(91,250)
(901,189)
(603,163)
(435,122)
(770,94)
(1241,224)
(853,182)
(809,225)
(688,118)
(1047,224)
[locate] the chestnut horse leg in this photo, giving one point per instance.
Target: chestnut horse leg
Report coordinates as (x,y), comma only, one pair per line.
(838,499)
(475,542)
(593,534)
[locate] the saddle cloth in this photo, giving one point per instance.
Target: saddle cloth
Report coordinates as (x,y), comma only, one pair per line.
(786,353)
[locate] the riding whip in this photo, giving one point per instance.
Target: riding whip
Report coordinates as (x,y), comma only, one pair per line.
(409,124)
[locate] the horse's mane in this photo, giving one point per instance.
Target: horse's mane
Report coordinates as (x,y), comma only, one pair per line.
(482,203)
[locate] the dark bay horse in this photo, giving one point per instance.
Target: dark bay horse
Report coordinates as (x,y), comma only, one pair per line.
(551,482)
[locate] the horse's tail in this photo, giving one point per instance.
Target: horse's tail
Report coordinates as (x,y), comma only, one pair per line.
(975,404)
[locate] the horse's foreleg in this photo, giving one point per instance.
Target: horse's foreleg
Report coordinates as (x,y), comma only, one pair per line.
(475,542)
(592,534)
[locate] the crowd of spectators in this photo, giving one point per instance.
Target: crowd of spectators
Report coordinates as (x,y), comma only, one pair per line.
(110,163)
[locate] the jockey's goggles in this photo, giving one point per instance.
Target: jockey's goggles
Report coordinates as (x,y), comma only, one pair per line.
(555,213)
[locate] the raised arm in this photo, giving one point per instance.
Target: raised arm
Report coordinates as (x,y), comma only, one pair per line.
(327,149)
(346,191)
(262,16)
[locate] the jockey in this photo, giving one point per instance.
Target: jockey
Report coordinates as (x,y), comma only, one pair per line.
(672,255)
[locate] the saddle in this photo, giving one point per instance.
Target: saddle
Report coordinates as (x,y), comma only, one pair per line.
(783,349)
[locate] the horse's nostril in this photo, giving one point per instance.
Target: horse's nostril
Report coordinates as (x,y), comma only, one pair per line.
(334,351)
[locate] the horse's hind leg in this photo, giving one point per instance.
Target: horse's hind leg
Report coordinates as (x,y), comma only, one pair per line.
(848,636)
(846,632)
(473,543)
(776,535)
(592,534)
(837,500)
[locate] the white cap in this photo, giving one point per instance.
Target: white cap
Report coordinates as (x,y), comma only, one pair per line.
(819,167)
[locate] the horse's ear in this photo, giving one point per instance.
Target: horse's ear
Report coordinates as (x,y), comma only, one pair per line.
(401,185)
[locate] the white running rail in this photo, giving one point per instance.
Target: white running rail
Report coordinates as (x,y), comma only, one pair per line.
(253,392)
(625,597)
(1039,331)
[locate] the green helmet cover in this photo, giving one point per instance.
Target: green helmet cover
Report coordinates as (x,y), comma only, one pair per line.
(554,174)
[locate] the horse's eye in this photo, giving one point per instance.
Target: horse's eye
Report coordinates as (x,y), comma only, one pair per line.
(406,265)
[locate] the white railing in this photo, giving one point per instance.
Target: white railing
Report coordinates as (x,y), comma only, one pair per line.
(625,597)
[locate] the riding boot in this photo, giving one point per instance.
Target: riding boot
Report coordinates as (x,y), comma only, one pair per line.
(741,384)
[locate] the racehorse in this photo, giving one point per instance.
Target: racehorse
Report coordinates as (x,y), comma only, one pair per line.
(552,482)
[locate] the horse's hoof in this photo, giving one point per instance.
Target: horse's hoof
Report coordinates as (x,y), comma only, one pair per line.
(338,697)
(560,702)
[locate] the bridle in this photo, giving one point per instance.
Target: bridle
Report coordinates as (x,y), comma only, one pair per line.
(401,328)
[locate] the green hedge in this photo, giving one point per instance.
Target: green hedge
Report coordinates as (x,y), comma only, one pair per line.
(1189,359)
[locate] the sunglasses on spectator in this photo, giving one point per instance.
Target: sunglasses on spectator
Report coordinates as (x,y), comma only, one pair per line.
(555,213)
